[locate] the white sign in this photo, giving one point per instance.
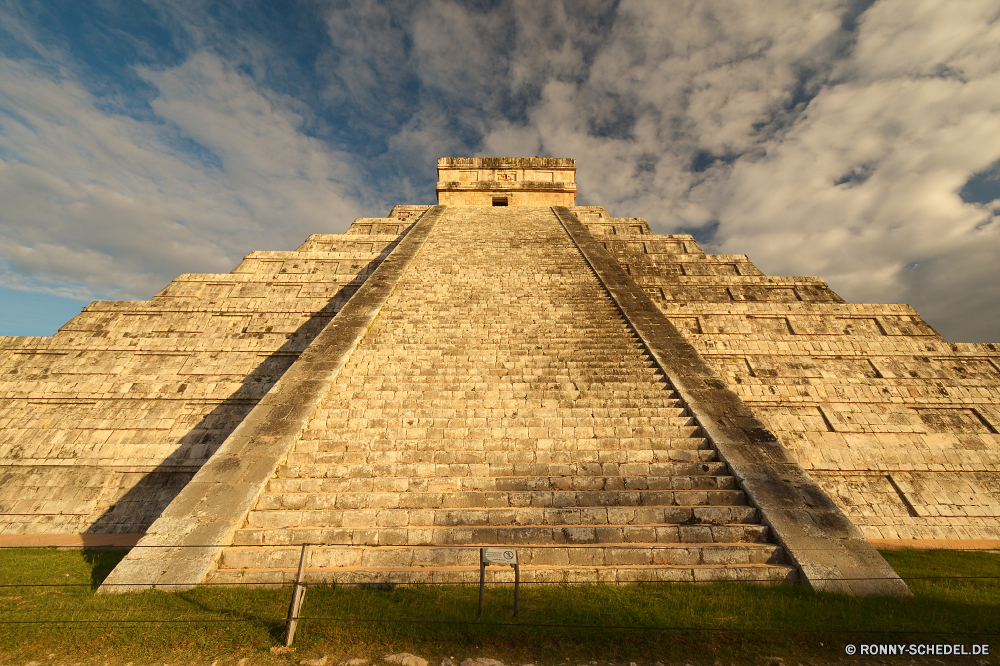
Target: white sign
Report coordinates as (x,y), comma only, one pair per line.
(499,555)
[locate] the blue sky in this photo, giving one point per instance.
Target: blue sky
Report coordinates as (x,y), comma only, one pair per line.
(855,140)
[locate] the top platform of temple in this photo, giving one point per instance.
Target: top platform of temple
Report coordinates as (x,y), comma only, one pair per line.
(506,181)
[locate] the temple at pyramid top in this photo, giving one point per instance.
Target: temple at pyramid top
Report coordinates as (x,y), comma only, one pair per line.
(506,181)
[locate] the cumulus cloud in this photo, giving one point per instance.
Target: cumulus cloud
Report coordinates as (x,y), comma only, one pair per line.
(864,189)
(827,138)
(99,204)
(853,139)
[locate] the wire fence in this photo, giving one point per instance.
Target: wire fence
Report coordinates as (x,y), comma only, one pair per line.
(488,623)
(300,584)
(388,581)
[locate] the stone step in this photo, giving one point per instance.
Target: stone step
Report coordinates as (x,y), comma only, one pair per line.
(391,409)
(494,417)
(431,516)
(493,361)
(706,532)
(510,406)
(370,429)
(460,438)
(500,448)
(239,557)
(475,387)
(460,345)
(429,464)
(484,390)
(543,377)
(507,399)
(329,417)
(355,484)
(682,434)
(510,362)
(563,323)
(494,351)
(490,440)
(499,353)
(764,574)
(496,499)
(366,454)
(388,371)
(455,343)
(438,463)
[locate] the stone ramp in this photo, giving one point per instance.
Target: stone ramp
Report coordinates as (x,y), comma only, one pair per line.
(500,398)
(825,546)
(183,544)
(103,423)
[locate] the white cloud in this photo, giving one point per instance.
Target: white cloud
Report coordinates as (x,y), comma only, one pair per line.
(917,123)
(98,204)
(923,38)
(813,148)
(901,118)
(673,80)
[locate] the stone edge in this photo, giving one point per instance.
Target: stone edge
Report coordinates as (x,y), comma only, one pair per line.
(518,185)
(184,543)
(826,547)
(506,162)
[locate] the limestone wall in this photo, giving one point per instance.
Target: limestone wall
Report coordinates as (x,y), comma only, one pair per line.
(518,174)
(488,197)
(509,181)
(897,424)
(102,424)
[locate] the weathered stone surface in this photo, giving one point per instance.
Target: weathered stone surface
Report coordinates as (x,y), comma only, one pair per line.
(498,397)
(205,515)
(506,181)
(405,659)
(894,423)
(827,548)
(316,661)
(481,661)
(104,423)
(478,411)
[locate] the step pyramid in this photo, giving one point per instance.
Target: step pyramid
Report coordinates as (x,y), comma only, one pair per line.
(501,398)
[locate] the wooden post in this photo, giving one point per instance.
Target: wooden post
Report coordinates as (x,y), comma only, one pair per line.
(298,594)
(482,579)
(517,585)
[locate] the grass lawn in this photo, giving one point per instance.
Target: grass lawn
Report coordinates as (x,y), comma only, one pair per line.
(671,623)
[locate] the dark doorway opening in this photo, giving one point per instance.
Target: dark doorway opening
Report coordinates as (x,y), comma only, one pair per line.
(499,201)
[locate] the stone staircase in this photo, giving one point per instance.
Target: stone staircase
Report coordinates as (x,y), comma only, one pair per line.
(500,398)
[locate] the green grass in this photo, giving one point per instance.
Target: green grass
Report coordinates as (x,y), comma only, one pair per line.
(731,622)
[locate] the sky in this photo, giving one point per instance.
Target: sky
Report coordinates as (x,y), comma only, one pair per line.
(855,140)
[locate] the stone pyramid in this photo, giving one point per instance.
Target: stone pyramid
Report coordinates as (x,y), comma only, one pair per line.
(504,368)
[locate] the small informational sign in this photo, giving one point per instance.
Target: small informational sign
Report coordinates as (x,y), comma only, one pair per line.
(499,556)
(488,556)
